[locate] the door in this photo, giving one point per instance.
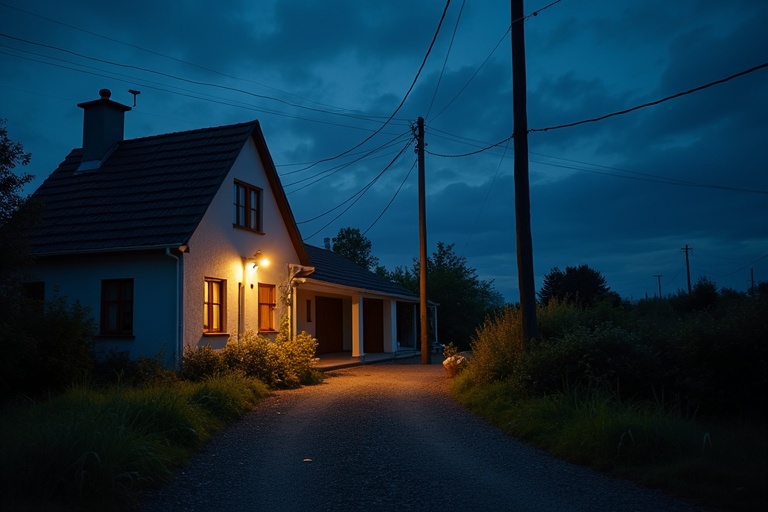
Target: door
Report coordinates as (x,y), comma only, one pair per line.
(373,325)
(329,329)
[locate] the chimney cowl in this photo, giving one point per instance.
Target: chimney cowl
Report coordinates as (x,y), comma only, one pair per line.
(103,125)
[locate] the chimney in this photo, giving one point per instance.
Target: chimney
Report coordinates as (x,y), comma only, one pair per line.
(327,243)
(103,122)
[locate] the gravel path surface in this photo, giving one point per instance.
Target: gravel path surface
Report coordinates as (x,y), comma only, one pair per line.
(385,437)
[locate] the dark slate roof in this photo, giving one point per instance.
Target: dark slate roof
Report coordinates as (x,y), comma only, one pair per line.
(331,267)
(149,192)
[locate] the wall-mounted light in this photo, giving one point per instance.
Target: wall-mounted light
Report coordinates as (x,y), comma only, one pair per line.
(259,260)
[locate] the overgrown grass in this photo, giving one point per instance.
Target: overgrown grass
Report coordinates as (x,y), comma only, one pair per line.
(716,464)
(97,449)
(674,399)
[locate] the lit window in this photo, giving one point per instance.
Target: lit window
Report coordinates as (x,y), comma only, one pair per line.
(116,307)
(267,307)
(213,305)
(247,205)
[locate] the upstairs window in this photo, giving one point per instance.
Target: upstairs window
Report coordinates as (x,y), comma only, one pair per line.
(213,306)
(116,307)
(247,205)
(267,307)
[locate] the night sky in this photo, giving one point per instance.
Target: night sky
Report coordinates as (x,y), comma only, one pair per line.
(623,195)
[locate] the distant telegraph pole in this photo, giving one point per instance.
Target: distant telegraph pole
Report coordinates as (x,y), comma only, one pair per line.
(422,244)
(522,193)
(658,276)
(687,249)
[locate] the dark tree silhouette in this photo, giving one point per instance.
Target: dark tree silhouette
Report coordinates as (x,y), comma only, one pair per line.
(354,246)
(464,299)
(581,285)
(14,255)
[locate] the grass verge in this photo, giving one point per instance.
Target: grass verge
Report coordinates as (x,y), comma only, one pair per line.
(721,465)
(88,449)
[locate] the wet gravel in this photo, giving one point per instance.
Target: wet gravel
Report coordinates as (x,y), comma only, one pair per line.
(385,437)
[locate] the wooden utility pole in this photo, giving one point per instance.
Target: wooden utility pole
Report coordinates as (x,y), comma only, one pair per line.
(522,190)
(425,359)
(687,249)
(658,276)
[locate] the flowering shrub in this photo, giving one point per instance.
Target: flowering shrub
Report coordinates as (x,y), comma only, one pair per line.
(283,363)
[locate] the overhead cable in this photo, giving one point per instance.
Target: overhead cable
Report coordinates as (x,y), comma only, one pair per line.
(359,195)
(445,61)
(413,166)
(652,103)
(408,92)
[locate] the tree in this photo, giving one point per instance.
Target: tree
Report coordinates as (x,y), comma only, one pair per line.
(464,299)
(11,154)
(14,255)
(354,246)
(580,285)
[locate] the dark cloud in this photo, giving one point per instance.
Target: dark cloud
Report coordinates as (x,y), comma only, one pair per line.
(622,195)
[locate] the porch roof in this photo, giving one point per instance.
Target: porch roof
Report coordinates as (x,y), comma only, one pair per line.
(331,267)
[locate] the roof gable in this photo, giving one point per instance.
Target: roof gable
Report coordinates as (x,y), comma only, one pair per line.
(331,267)
(149,192)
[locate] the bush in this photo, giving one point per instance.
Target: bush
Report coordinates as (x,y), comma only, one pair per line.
(497,347)
(202,363)
(54,348)
(606,357)
(282,363)
(95,450)
(117,369)
(712,361)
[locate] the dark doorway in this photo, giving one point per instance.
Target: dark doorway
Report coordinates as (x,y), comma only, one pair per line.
(373,325)
(330,332)
(406,327)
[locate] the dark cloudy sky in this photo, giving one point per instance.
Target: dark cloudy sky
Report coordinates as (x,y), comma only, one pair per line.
(622,195)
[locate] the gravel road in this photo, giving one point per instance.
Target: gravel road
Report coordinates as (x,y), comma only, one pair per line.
(385,437)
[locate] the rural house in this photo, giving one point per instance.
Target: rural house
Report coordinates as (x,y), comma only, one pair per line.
(186,239)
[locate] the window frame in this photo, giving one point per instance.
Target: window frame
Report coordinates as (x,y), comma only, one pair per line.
(246,214)
(124,308)
(210,306)
(267,310)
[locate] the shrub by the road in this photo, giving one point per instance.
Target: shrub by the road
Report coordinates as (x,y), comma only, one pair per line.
(283,363)
(96,449)
(670,393)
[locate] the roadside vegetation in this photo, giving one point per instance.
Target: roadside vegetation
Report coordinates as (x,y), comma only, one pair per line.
(671,392)
(94,437)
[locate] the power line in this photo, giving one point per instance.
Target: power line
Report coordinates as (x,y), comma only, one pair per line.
(364,154)
(334,170)
(188,80)
(503,38)
(391,200)
(159,54)
(408,92)
(359,195)
(143,82)
(473,152)
(652,103)
(626,111)
(445,61)
(657,179)
(485,199)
